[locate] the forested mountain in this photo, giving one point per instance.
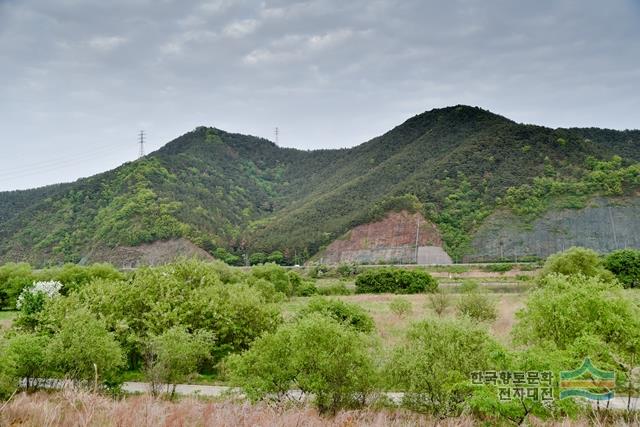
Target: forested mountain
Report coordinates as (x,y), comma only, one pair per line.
(236,194)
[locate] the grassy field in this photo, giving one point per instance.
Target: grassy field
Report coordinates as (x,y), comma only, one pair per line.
(391,327)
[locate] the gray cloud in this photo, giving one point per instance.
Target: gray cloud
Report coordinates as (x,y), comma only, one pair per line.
(80,78)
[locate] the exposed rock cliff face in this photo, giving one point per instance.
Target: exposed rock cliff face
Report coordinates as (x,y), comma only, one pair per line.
(605,225)
(391,240)
(157,253)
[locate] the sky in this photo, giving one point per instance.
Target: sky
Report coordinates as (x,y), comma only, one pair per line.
(80,78)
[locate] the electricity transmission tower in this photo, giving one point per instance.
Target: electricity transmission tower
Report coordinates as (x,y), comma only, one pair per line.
(277,132)
(141,142)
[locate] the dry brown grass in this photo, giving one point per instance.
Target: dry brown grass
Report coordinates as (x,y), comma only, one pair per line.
(79,409)
(70,408)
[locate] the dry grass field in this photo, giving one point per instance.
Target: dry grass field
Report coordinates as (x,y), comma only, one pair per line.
(80,409)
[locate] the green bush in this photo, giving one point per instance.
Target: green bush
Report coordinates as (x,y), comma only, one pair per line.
(625,264)
(9,379)
(73,276)
(348,269)
(274,274)
(316,355)
(13,279)
(401,307)
(84,350)
(393,280)
(28,352)
(469,286)
(498,268)
(334,289)
(174,355)
(301,288)
(433,366)
(576,260)
(306,289)
(439,301)
(477,306)
(345,313)
(566,308)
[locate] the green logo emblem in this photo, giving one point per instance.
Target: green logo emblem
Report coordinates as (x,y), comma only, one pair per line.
(587,381)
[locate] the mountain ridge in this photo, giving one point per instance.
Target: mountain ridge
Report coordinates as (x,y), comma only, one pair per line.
(236,193)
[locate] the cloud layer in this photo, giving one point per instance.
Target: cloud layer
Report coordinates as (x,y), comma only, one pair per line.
(79,79)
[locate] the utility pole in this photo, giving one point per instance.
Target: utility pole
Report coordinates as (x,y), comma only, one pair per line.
(141,142)
(277,132)
(417,238)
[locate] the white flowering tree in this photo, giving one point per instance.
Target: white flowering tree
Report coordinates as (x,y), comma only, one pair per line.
(32,299)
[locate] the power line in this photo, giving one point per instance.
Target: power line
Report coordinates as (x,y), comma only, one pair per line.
(55,161)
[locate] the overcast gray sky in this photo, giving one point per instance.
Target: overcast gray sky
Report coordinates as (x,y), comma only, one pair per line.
(79,78)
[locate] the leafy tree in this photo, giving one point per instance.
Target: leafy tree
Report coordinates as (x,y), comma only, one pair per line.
(84,350)
(576,260)
(227,257)
(28,352)
(566,308)
(625,264)
(433,366)
(257,258)
(32,299)
(9,380)
(276,257)
(73,276)
(343,312)
(174,355)
(316,355)
(13,279)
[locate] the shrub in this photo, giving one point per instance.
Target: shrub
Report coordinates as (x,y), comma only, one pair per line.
(174,355)
(28,352)
(433,366)
(335,289)
(317,355)
(83,350)
(343,312)
(32,300)
(318,270)
(439,301)
(565,308)
(625,264)
(306,289)
(393,280)
(274,274)
(469,286)
(576,261)
(73,276)
(348,269)
(13,279)
(401,307)
(477,306)
(9,379)
(301,287)
(257,258)
(498,268)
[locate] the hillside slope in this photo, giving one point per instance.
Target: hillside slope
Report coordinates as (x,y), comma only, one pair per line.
(245,194)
